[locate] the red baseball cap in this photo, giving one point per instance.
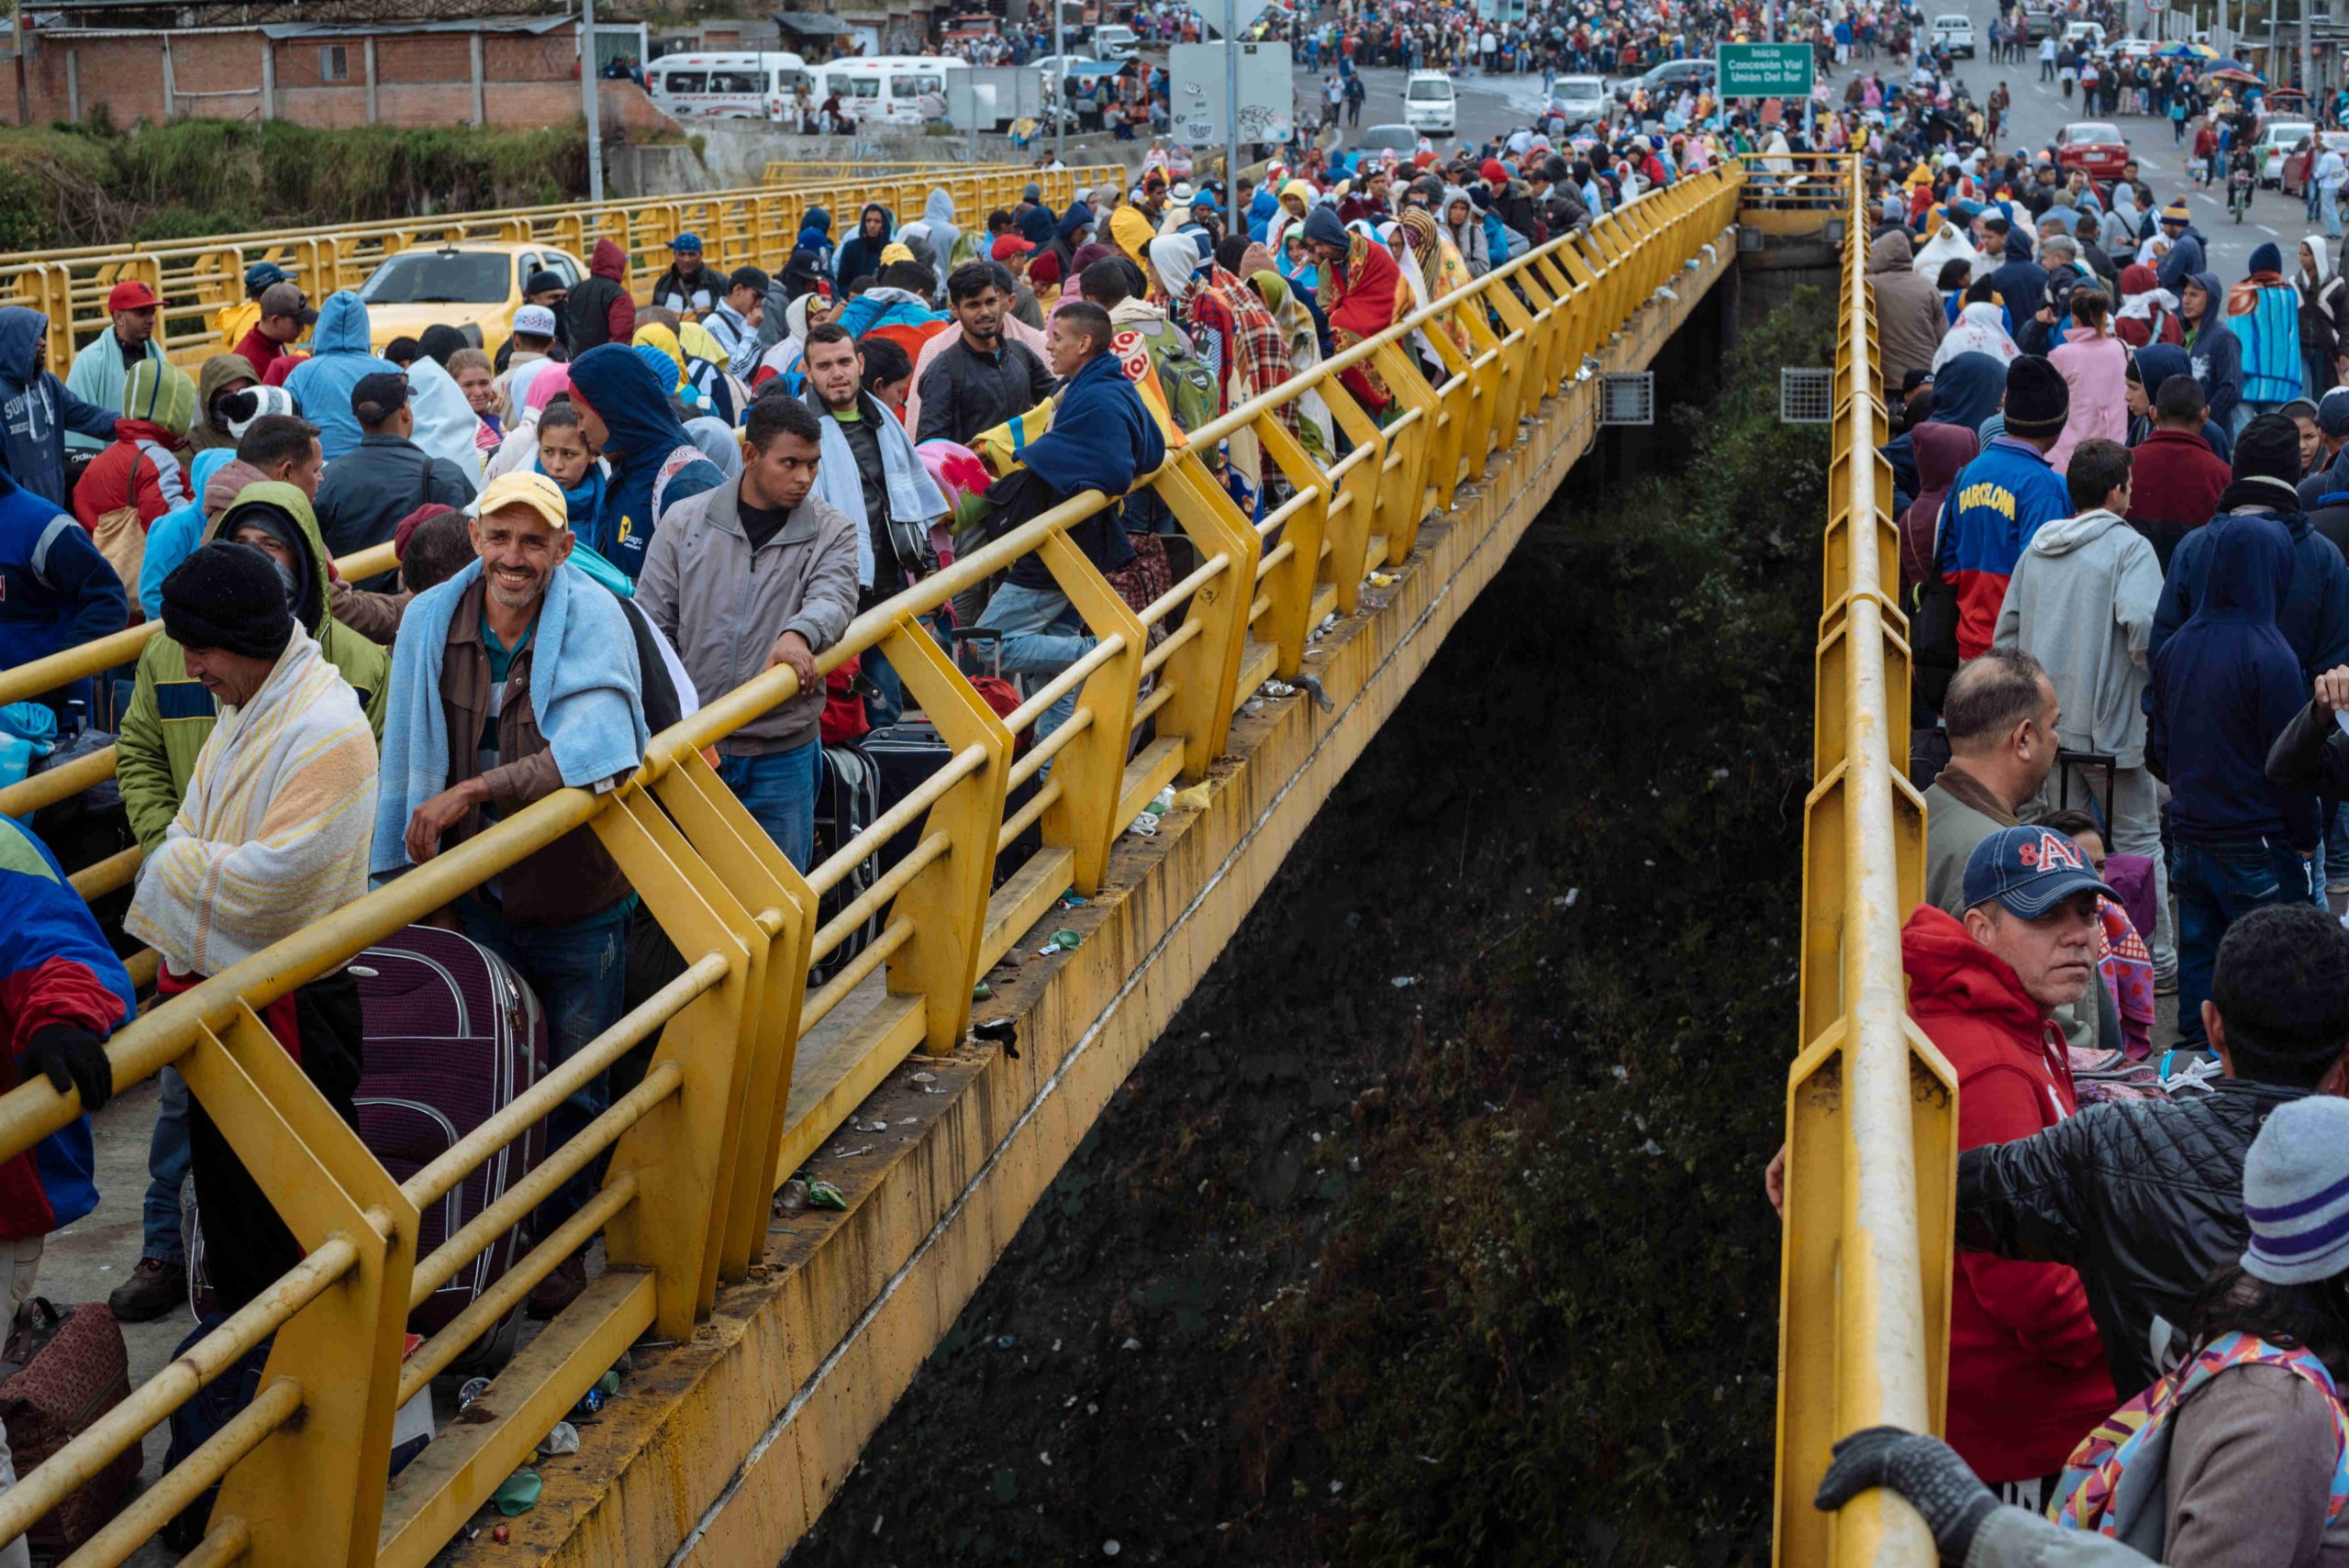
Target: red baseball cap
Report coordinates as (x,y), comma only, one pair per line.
(130,295)
(1006,246)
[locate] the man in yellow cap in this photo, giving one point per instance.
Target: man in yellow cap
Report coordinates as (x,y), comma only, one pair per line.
(517,677)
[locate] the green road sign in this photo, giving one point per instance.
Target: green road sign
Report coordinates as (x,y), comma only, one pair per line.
(1765,69)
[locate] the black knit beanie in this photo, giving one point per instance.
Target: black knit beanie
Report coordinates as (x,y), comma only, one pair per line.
(228,596)
(2270,450)
(2037,400)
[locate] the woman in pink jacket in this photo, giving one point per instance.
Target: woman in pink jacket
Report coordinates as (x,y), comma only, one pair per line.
(2095,366)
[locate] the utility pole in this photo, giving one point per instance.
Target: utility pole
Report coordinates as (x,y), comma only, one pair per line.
(1230,104)
(1059,87)
(590,75)
(2308,57)
(24,92)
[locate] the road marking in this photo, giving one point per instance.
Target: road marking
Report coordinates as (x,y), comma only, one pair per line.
(2265,229)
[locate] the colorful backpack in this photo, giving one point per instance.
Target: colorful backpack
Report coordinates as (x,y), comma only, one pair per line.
(2113,1485)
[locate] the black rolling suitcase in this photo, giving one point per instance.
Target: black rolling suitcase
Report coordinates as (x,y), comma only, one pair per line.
(847,800)
(903,755)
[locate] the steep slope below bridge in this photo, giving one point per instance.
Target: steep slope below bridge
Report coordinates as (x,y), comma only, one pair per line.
(1432,1231)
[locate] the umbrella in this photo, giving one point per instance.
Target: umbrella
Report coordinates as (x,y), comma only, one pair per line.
(2183,50)
(2233,74)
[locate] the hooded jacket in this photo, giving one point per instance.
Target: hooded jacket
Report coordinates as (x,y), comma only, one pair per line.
(218,373)
(342,353)
(37,409)
(143,468)
(2225,687)
(1997,506)
(2020,281)
(2183,262)
(945,237)
(2312,613)
(56,591)
(859,257)
(2325,310)
(2081,602)
(170,715)
(600,310)
(652,458)
(2027,1376)
(2215,352)
(1910,324)
(2095,368)
(1942,449)
(1980,329)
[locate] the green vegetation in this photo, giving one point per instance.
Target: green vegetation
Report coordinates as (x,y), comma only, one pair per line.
(1431,1232)
(90,184)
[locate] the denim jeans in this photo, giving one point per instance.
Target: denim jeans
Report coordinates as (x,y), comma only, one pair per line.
(1042,635)
(2336,844)
(2217,886)
(167,1162)
(778,788)
(581,979)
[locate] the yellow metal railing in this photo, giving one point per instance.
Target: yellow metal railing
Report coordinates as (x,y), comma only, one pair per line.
(743,1084)
(202,282)
(1871,1106)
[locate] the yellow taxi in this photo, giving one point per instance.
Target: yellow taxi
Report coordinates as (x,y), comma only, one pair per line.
(472,286)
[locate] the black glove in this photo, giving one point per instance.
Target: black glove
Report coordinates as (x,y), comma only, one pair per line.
(73,1058)
(1924,1470)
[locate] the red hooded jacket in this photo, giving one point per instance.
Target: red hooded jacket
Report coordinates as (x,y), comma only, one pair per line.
(2027,1377)
(1942,450)
(141,469)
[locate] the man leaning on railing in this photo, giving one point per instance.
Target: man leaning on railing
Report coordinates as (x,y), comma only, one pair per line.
(518,677)
(271,836)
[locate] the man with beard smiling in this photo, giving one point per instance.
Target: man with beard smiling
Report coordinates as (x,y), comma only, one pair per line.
(517,678)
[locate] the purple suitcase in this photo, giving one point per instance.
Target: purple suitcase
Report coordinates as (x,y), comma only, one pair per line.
(453,1035)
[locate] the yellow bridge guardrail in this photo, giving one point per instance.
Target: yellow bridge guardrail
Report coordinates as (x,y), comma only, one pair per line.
(1871,1105)
(202,282)
(743,1084)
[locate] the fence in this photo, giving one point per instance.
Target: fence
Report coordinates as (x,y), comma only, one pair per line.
(202,282)
(752,1068)
(1871,1106)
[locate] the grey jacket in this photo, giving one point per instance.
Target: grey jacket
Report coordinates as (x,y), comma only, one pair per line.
(2082,602)
(723,608)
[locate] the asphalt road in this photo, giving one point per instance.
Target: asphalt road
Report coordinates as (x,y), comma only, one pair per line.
(2039,111)
(1487,107)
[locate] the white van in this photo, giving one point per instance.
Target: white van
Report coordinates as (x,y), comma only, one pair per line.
(889,89)
(1428,105)
(726,86)
(1115,42)
(1954,32)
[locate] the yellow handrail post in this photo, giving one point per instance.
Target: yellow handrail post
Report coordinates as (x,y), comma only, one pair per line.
(1404,501)
(313,1491)
(1356,514)
(682,1154)
(1871,1105)
(1205,672)
(738,852)
(1291,582)
(947,899)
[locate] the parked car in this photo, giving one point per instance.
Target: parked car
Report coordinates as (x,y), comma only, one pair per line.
(2277,138)
(1669,77)
(2294,177)
(1954,32)
(1379,138)
(475,287)
(2093,145)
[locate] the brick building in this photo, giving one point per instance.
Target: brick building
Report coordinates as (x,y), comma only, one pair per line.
(510,70)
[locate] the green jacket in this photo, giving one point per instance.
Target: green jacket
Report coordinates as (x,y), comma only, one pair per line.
(170,715)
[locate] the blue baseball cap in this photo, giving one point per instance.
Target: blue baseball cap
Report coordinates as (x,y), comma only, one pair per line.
(261,274)
(2030,870)
(686,241)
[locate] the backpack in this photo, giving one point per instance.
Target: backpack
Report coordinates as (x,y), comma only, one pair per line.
(1184,376)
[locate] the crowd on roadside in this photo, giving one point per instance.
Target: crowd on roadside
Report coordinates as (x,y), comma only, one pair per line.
(2123,509)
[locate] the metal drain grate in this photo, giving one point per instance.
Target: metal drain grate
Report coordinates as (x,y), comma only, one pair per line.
(1627,397)
(1806,396)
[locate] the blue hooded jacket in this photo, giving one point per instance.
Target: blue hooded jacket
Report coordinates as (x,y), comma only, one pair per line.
(1102,438)
(816,235)
(644,439)
(1261,208)
(2183,262)
(859,257)
(2223,689)
(2156,362)
(2312,612)
(2215,351)
(341,352)
(37,409)
(56,591)
(2022,282)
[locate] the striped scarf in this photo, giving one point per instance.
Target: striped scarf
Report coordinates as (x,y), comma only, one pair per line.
(273,832)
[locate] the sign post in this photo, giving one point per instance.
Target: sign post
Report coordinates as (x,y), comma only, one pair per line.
(1764,71)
